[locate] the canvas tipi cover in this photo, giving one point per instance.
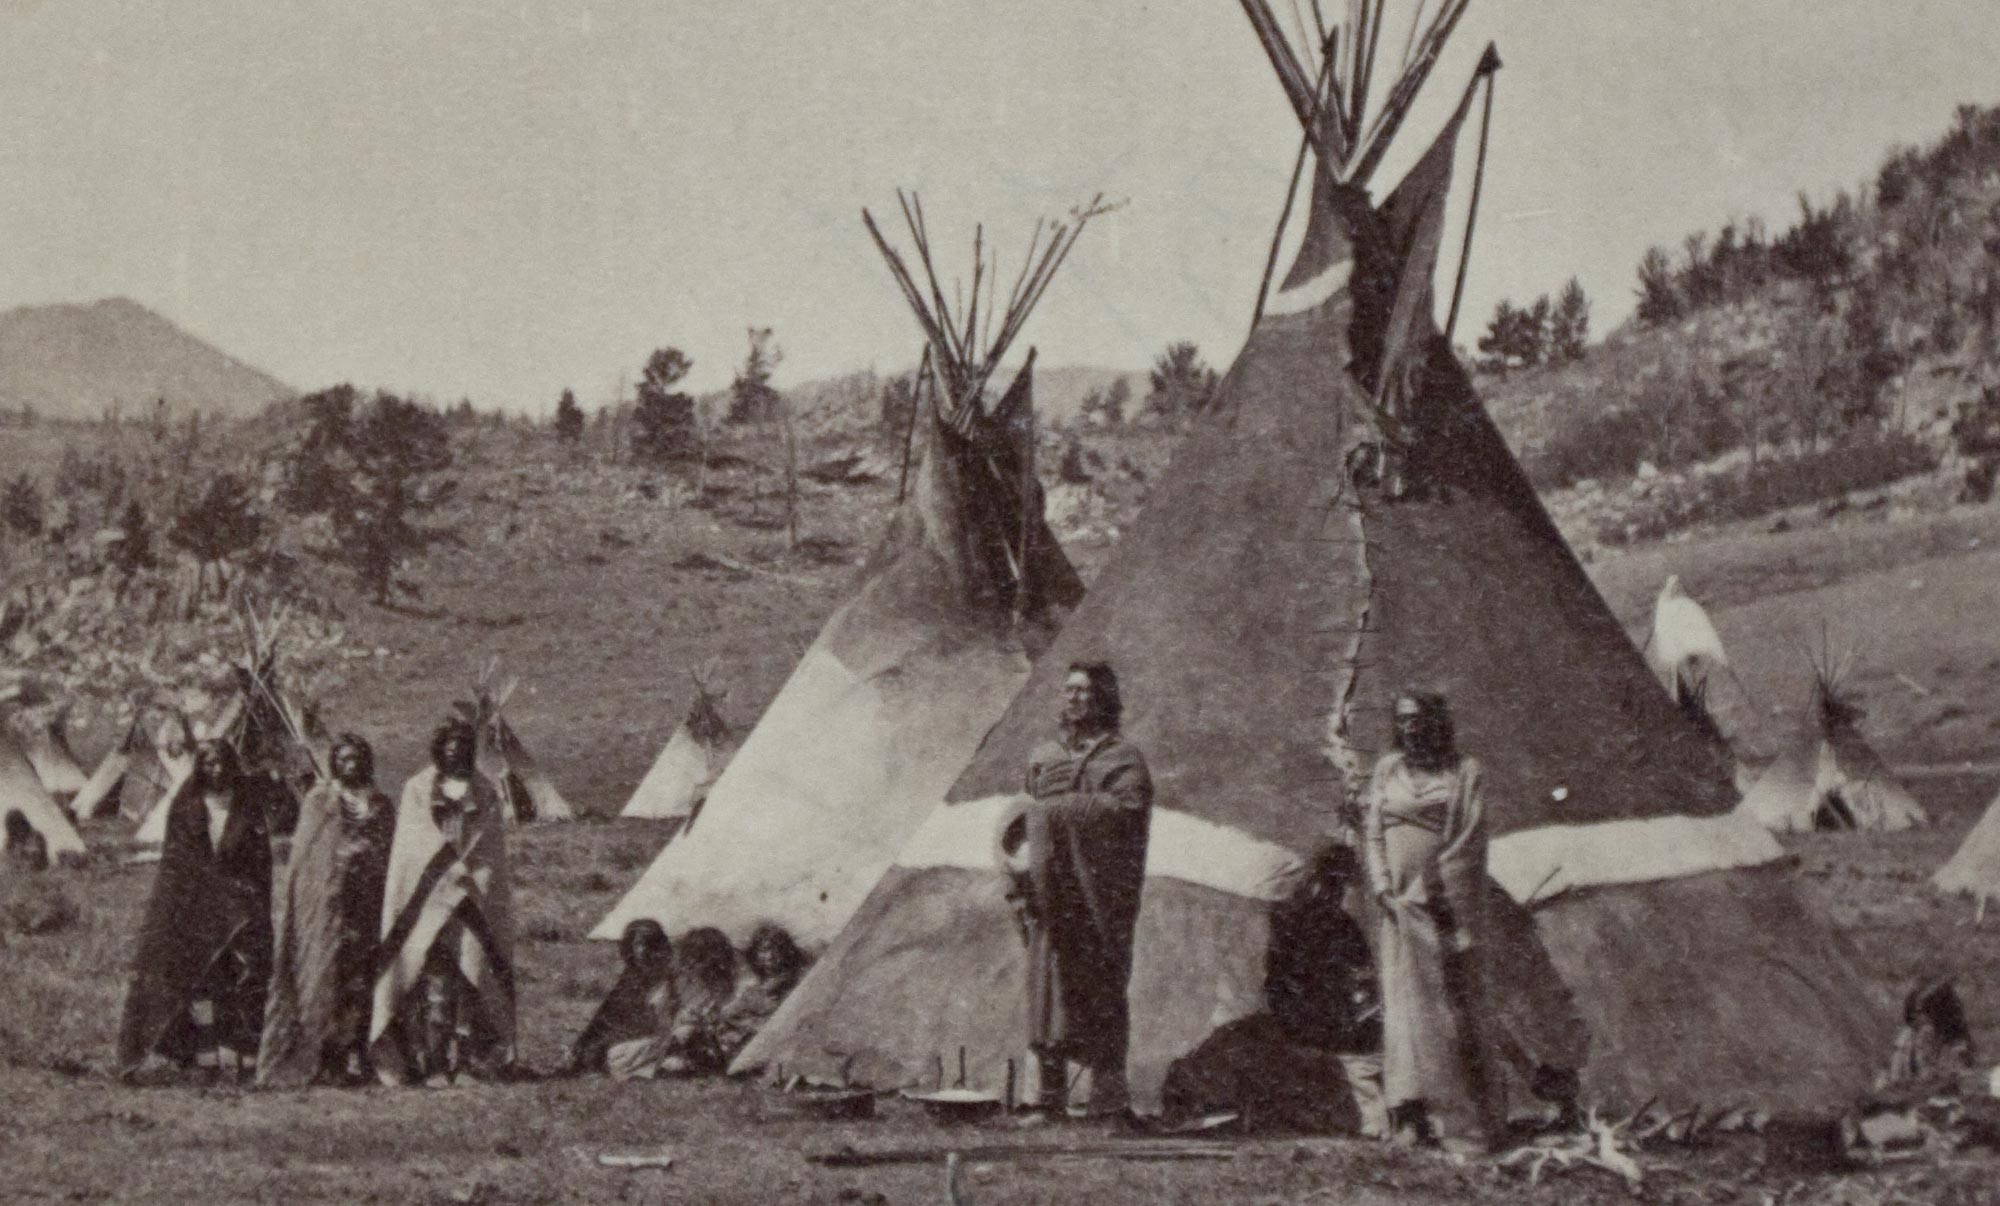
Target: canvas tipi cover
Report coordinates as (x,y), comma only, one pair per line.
(1974,870)
(965,589)
(47,748)
(694,757)
(21,791)
(101,793)
(1831,778)
(526,790)
(1308,554)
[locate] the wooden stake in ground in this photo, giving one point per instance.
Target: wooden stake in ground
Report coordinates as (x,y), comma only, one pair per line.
(791,472)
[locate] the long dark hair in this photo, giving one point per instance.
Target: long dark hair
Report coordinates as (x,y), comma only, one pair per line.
(452,727)
(1104,687)
(776,941)
(704,961)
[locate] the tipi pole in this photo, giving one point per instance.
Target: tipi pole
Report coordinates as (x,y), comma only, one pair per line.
(910,429)
(1306,145)
(1489,66)
(1278,235)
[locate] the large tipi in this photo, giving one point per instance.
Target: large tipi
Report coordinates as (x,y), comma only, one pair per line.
(965,589)
(694,757)
(21,791)
(1346,520)
(1830,777)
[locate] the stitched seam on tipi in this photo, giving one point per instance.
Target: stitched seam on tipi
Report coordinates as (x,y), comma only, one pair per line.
(1346,513)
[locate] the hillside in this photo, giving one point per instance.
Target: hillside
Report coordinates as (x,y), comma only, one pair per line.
(1854,350)
(78,361)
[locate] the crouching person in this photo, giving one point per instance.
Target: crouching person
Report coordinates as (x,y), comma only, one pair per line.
(444,979)
(638,1009)
(204,958)
(776,966)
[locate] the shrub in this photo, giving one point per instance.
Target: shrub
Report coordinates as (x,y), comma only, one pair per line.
(1775,485)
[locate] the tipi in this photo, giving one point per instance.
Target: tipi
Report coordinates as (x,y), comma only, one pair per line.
(43,739)
(965,589)
(1343,521)
(279,742)
(1974,870)
(694,756)
(1831,778)
(21,791)
(525,789)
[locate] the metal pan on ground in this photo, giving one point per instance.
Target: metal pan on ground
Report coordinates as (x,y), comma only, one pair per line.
(957,1106)
(827,1103)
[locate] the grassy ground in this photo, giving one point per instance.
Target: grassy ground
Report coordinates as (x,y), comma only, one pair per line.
(80,1137)
(598,597)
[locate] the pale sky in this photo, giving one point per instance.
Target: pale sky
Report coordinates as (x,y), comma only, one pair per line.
(501,199)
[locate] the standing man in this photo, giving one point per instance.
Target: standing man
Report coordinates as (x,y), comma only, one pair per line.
(444,984)
(1082,849)
(204,961)
(1425,838)
(329,920)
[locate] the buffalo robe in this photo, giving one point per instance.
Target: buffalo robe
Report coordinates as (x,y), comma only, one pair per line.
(329,917)
(447,911)
(206,938)
(1086,841)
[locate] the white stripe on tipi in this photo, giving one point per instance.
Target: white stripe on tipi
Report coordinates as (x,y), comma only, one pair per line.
(1311,292)
(1532,865)
(1181,846)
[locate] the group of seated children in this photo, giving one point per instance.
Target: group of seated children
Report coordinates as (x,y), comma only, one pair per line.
(678,1009)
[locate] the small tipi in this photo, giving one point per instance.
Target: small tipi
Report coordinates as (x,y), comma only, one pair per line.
(159,760)
(44,739)
(526,791)
(1830,777)
(1685,651)
(1974,869)
(694,757)
(280,744)
(21,791)
(965,589)
(1343,521)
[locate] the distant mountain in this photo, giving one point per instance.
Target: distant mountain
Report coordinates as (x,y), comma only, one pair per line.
(76,361)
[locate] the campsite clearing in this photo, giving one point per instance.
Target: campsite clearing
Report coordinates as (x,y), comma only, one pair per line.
(86,1138)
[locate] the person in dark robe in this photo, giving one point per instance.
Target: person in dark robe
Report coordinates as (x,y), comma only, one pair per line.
(204,955)
(776,965)
(639,1008)
(444,971)
(27,850)
(329,919)
(1081,845)
(1934,1048)
(1425,837)
(1310,1061)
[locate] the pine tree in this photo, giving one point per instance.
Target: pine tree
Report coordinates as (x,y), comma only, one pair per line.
(569,418)
(1660,298)
(21,506)
(134,550)
(1182,384)
(751,397)
(1569,327)
(664,418)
